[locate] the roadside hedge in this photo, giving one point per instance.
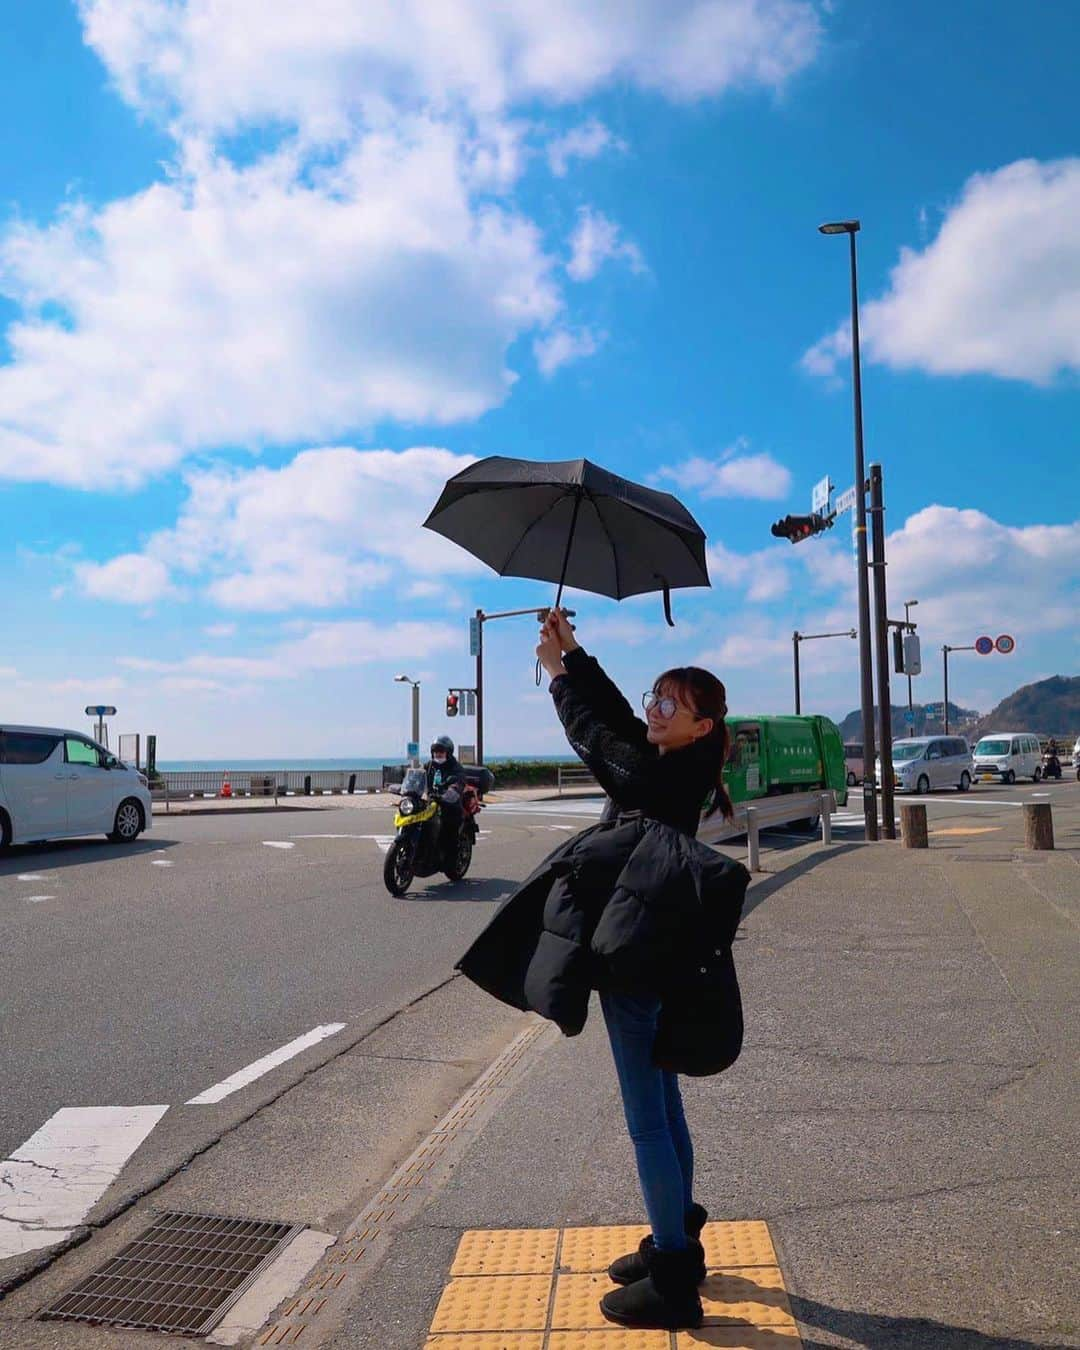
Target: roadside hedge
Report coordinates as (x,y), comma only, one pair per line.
(510,773)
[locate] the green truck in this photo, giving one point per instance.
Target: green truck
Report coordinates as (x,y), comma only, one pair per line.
(771,755)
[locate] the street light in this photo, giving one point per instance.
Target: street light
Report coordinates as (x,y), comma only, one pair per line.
(866,679)
(404,679)
(908,606)
(798,637)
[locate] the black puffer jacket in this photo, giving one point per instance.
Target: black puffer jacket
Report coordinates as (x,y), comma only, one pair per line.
(633,904)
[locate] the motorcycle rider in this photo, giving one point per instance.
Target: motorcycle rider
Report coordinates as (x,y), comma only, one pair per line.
(446,780)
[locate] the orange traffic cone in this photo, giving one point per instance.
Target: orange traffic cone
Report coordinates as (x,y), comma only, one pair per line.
(226,788)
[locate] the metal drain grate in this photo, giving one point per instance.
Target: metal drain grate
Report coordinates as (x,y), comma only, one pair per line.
(182,1275)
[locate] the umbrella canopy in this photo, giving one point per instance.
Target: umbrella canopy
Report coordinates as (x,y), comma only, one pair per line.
(574,524)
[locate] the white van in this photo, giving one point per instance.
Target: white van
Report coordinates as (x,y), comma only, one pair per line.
(55,784)
(1007,756)
(923,763)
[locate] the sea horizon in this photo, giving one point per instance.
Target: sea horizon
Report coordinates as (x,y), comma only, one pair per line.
(322,763)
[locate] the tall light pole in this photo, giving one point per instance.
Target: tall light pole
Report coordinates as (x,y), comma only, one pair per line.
(909,605)
(404,679)
(866,679)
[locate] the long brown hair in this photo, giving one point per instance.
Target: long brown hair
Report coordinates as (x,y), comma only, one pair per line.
(706,696)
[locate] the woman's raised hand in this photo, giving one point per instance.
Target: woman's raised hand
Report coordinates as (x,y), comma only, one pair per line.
(563,629)
(549,649)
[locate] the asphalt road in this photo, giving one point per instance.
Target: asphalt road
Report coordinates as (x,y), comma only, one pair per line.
(150,973)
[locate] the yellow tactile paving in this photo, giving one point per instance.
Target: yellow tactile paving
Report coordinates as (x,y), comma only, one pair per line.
(487,1340)
(508,1251)
(577,1302)
(500,1295)
(738,1338)
(745,1243)
(496,1303)
(612,1338)
(749,1294)
(585,1250)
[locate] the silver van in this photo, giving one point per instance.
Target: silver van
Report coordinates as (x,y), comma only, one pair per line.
(1007,756)
(926,763)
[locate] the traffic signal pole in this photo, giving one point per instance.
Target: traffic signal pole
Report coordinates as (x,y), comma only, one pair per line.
(480,616)
(881,610)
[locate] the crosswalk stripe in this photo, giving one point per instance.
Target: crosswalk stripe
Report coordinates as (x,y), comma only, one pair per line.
(260,1066)
(50,1183)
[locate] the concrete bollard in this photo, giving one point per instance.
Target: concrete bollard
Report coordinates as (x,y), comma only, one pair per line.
(1038,825)
(913,825)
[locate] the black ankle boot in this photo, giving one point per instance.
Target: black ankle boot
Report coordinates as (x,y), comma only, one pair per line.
(667,1297)
(627,1269)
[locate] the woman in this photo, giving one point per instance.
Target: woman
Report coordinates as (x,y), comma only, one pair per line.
(636,908)
(669,773)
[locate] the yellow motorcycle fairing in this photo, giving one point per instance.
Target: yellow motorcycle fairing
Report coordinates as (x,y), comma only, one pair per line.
(417,818)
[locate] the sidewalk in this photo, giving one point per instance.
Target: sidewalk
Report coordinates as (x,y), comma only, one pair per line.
(902,1117)
(900,1128)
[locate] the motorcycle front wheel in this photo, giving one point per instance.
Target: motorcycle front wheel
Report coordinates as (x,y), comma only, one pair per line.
(397,870)
(462,858)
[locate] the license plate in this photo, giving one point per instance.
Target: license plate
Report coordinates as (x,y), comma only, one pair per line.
(987,777)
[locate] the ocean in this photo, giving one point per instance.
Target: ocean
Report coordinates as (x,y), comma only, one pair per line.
(356,762)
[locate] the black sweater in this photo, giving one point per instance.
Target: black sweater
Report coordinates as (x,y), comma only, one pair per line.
(613,743)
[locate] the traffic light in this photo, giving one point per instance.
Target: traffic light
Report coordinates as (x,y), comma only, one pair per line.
(798,528)
(898,651)
(452,704)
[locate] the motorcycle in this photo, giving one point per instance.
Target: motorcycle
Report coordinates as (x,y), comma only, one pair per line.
(1051,765)
(419,849)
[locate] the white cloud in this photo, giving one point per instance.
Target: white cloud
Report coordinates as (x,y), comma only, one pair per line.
(224,64)
(263,305)
(586,141)
(734,474)
(7,672)
(323,530)
(762,575)
(997,292)
(130,579)
(561,346)
(220,630)
(594,241)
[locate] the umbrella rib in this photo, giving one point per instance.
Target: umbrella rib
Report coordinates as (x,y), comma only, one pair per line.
(614,550)
(532,526)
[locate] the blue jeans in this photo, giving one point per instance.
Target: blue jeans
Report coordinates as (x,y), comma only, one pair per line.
(654,1116)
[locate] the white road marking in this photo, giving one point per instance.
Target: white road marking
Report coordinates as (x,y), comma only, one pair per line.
(256,1070)
(37,899)
(160,862)
(383,840)
(36,876)
(277,843)
(331,836)
(584,808)
(50,1183)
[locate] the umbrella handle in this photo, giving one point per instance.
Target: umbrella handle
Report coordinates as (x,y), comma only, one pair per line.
(667,600)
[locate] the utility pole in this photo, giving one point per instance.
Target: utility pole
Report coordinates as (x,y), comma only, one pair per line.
(945,653)
(881,613)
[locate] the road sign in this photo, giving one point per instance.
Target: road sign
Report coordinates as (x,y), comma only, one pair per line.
(470,702)
(1005,644)
(909,717)
(100,710)
(412,750)
(819,498)
(474,637)
(845,501)
(984,645)
(931,709)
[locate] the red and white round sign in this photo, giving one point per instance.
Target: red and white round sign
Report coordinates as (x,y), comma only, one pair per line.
(1005,644)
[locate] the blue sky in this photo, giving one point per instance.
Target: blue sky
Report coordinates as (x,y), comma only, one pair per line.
(268,277)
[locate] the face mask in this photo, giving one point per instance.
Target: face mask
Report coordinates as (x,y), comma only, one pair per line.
(439,759)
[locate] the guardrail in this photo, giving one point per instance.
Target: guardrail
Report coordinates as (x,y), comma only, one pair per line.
(752,817)
(574,775)
(175,785)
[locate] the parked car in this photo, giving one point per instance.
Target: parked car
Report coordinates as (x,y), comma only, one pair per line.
(925,763)
(55,784)
(1007,756)
(853,762)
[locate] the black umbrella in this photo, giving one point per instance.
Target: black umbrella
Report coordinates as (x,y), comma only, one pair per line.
(572,523)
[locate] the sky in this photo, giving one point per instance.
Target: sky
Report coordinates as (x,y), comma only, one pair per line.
(271,274)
